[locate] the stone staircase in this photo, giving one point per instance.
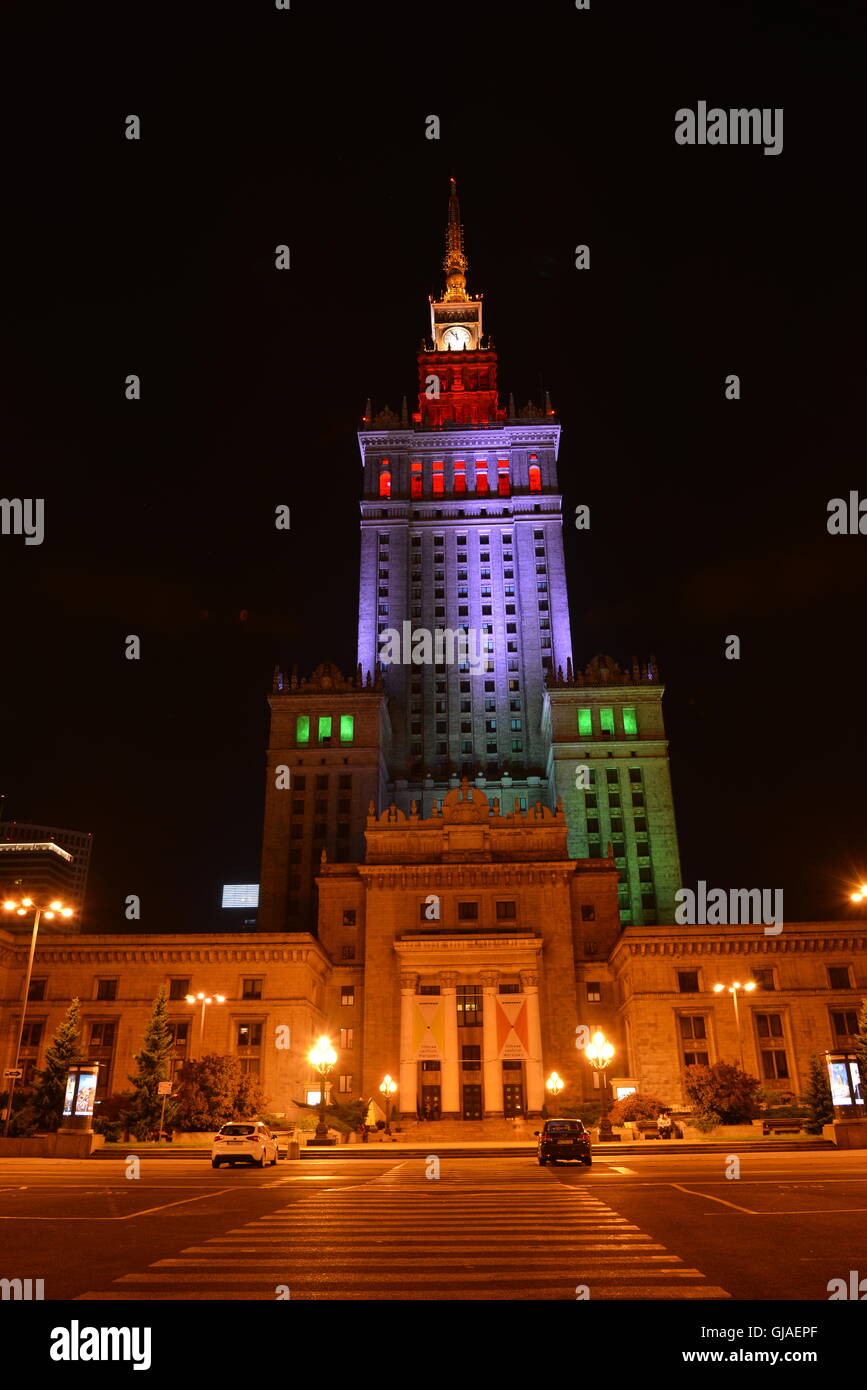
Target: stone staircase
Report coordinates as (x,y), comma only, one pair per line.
(467,1131)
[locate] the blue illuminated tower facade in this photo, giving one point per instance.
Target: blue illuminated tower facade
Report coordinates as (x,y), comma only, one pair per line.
(461,529)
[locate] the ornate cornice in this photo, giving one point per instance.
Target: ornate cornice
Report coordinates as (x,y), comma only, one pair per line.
(791,940)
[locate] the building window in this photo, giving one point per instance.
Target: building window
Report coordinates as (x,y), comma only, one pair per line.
(687,981)
(508,988)
(535,478)
(249,1047)
(347,1039)
(415,479)
(845,1025)
(693,1035)
(101,1049)
(324,727)
(588,912)
(838,977)
(469,1002)
(347,996)
(347,728)
(437,478)
(591,948)
(106,989)
(471,1057)
(36,990)
(772,1047)
(28,1055)
(606,721)
(764,979)
(179,1035)
(594,992)
(344,1083)
(349,917)
(252,988)
(630,723)
(302,728)
(506,911)
(468,912)
(385,483)
(347,953)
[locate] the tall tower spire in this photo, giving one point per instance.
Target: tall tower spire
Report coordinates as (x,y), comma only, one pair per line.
(455,262)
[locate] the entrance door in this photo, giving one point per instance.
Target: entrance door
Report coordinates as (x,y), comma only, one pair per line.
(513,1099)
(430,1102)
(472,1102)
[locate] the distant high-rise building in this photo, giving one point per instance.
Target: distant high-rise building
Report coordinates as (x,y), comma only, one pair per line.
(71,878)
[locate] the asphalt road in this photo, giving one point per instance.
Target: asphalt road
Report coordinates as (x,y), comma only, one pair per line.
(651,1227)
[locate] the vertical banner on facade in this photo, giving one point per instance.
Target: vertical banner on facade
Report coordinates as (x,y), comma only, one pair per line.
(512,1032)
(428,1028)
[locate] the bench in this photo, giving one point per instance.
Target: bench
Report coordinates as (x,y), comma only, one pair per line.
(647,1128)
(782,1126)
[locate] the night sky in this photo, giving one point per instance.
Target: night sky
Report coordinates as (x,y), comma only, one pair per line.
(307,127)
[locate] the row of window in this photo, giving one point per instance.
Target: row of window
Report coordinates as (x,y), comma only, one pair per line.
(770,1038)
(839,977)
(324,728)
(477,473)
(605,724)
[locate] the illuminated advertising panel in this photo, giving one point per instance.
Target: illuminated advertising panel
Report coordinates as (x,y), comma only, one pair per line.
(839,1077)
(87,1078)
(240,895)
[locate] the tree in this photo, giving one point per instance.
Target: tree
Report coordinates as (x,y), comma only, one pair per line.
(636,1107)
(213,1091)
(861,1052)
(143,1114)
(721,1094)
(818,1096)
(63,1052)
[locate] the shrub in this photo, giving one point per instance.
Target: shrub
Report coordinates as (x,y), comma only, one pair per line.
(723,1091)
(636,1107)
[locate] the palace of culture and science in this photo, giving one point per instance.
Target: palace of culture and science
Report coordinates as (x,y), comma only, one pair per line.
(469,852)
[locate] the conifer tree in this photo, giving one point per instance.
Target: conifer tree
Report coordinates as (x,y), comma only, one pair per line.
(152,1063)
(861,1055)
(818,1096)
(63,1052)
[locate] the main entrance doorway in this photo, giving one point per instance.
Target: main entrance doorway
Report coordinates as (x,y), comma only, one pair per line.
(472,1102)
(513,1099)
(430,1102)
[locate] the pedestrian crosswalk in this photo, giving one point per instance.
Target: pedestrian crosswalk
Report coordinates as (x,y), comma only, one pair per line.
(512,1233)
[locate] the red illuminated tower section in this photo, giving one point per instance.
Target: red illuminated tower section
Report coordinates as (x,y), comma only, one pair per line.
(457,378)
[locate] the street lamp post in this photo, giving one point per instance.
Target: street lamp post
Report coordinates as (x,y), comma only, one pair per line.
(599,1053)
(21,907)
(388,1088)
(733,990)
(205,999)
(554,1085)
(322,1058)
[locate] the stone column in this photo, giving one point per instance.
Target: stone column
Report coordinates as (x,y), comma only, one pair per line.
(408,1079)
(535,1073)
(450,1074)
(493,1067)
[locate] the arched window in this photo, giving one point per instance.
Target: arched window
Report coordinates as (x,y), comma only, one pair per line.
(415,480)
(385,483)
(535,476)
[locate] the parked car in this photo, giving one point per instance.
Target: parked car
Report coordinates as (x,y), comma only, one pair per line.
(563,1139)
(244,1141)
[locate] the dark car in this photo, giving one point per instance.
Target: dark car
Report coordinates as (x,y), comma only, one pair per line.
(564,1139)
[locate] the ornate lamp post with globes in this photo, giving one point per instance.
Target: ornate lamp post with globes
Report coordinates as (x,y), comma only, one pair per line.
(322,1058)
(388,1088)
(599,1053)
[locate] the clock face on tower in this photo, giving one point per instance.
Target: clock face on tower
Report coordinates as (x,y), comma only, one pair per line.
(457,338)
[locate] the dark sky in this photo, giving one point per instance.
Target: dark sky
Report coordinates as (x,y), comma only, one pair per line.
(307,127)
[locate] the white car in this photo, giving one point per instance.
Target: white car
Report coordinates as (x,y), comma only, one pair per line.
(244,1141)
